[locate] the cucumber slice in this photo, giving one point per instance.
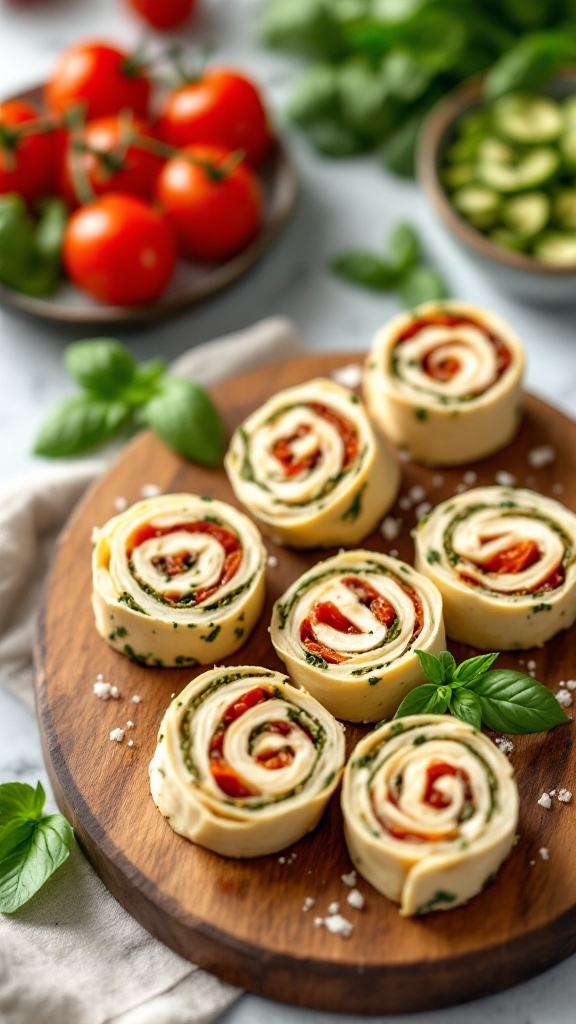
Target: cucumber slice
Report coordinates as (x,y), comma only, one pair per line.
(458,175)
(527,214)
(508,239)
(480,206)
(462,151)
(530,171)
(557,247)
(528,119)
(565,208)
(493,150)
(474,125)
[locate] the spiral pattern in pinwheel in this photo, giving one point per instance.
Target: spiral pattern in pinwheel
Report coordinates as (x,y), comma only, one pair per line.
(346,631)
(443,381)
(309,468)
(178,580)
(430,811)
(504,560)
(245,763)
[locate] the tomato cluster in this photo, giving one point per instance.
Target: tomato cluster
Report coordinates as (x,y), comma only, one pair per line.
(142,184)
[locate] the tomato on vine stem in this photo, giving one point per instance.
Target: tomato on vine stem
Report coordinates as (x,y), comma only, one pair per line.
(163,15)
(99,78)
(26,160)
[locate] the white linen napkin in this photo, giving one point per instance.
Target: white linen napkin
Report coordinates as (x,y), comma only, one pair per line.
(73,955)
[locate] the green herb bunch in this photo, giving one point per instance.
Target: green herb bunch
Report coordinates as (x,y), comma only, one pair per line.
(380,65)
(402,271)
(501,699)
(120,395)
(33,845)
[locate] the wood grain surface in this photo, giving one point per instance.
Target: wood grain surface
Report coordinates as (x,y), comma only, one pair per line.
(243,920)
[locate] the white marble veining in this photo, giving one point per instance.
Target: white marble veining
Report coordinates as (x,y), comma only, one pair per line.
(341,204)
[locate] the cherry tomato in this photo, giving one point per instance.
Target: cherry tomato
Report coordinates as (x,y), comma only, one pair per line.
(214,215)
(26,163)
(109,166)
(223,108)
(119,249)
(163,14)
(102,78)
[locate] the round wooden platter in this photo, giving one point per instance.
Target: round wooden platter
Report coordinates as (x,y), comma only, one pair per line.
(243,920)
(191,282)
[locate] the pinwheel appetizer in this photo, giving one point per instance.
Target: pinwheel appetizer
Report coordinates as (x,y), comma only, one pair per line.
(504,560)
(443,381)
(347,628)
(245,763)
(178,580)
(430,811)
(310,469)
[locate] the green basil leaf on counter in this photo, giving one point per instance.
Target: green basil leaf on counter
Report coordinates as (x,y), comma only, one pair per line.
(512,702)
(423,700)
(315,96)
(101,365)
(468,670)
(32,845)
(531,63)
(30,252)
(79,424)
(301,25)
(333,138)
(184,416)
(422,284)
(404,246)
(366,269)
(465,705)
(432,666)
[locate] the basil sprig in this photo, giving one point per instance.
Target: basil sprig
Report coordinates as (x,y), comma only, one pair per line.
(501,699)
(32,844)
(401,271)
(118,394)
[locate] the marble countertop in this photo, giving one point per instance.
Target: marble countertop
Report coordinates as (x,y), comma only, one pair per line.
(341,204)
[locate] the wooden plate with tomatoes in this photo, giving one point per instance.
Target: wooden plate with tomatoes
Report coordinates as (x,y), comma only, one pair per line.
(192,281)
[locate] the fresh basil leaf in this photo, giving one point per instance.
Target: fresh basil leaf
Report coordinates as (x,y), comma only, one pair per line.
(404,247)
(78,424)
(366,103)
(398,150)
(304,26)
(184,416)
(20,801)
(448,665)
(422,285)
(514,703)
(365,269)
(30,863)
(530,64)
(423,700)
(472,667)
(50,231)
(432,666)
(333,138)
(12,834)
(101,365)
(315,96)
(407,80)
(465,705)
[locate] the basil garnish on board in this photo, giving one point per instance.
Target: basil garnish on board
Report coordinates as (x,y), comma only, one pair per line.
(33,845)
(501,699)
(118,394)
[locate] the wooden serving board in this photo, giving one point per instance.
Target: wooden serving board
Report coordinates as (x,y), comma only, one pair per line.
(243,920)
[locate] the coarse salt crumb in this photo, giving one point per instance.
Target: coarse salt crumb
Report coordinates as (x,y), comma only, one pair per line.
(114,692)
(564,698)
(393,552)
(172,695)
(460,488)
(349,376)
(422,509)
(552,792)
(564,796)
(281,860)
(130,743)
(504,479)
(272,561)
(417,493)
(150,491)
(117,735)
(531,664)
(355,899)
(136,699)
(545,801)
(405,503)
(544,853)
(334,908)
(437,480)
(308,903)
(541,456)
(532,863)
(390,527)
(129,724)
(570,684)
(350,879)
(102,690)
(338,925)
(505,745)
(557,488)
(403,455)
(120,504)
(99,676)
(469,477)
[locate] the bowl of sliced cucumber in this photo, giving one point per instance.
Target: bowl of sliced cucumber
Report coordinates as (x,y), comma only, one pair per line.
(501,176)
